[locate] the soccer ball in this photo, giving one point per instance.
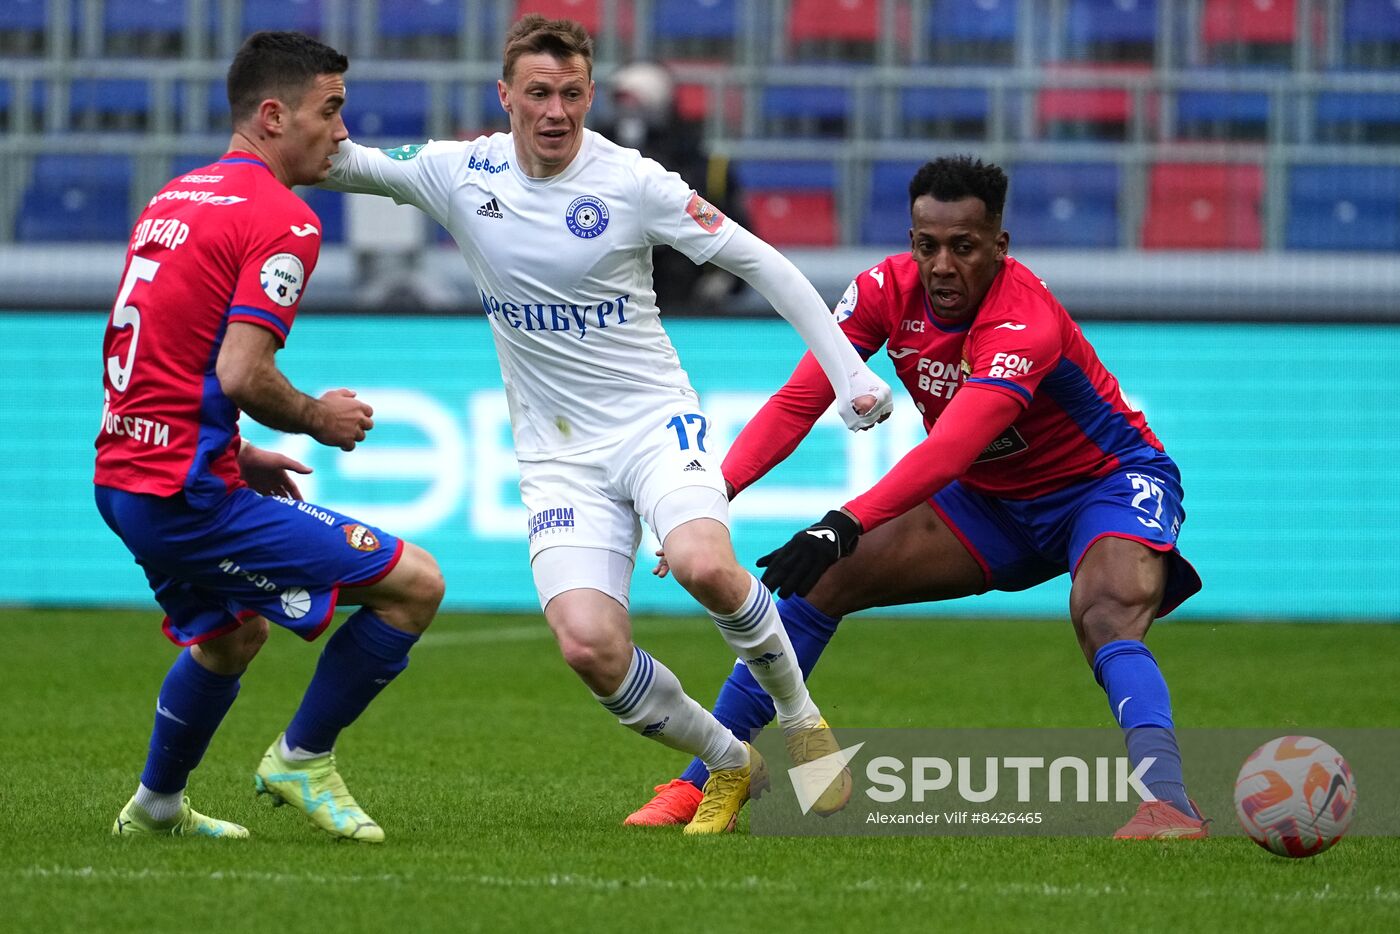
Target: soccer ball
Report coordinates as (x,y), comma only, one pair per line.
(1295,796)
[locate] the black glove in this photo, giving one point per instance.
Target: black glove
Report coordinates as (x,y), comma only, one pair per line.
(796,567)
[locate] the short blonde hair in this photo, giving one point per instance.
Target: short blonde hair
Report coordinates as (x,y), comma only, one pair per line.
(560,38)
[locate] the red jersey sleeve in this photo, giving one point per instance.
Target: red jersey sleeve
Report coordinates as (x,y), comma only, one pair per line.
(787,417)
(970,422)
(282,248)
(1012,348)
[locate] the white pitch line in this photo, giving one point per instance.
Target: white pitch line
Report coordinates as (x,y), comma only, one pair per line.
(743,885)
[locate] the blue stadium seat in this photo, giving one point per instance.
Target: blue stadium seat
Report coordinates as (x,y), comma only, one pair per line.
(1234,115)
(301,15)
(1358,117)
(1063,204)
(886,218)
(695,19)
(417,28)
(1370,19)
(22,26)
(972,32)
(785,174)
(109,104)
(148,28)
(1089,23)
(806,110)
(77,198)
(393,109)
(189,161)
(945,112)
(1343,207)
(330,208)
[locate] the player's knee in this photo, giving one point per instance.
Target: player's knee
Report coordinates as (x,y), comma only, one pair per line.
(418,589)
(598,663)
(713,579)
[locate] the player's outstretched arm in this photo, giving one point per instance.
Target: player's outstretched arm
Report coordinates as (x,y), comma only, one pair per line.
(789,292)
(776,429)
(972,420)
(248,374)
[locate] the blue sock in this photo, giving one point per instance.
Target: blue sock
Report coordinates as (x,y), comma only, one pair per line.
(190,707)
(1137,694)
(743,706)
(363,656)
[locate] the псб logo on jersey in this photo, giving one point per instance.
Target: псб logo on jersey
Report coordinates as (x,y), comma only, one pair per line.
(586,217)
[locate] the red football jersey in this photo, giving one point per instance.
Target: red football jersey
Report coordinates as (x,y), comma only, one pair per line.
(1074,425)
(227,242)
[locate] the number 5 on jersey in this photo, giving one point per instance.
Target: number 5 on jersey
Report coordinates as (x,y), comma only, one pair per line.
(124,315)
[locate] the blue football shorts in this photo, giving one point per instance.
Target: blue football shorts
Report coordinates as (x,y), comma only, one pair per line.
(250,555)
(1021,543)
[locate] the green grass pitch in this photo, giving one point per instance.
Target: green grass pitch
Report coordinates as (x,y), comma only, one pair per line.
(501,787)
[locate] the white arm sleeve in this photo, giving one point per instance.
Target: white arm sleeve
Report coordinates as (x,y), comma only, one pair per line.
(420,175)
(775,278)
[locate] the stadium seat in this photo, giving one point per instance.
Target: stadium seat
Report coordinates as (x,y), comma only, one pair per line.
(695,29)
(886,217)
(944,113)
(1111,30)
(834,30)
(1370,32)
(806,110)
(154,28)
(1068,112)
(1223,115)
(393,110)
(22,26)
(109,104)
(1203,207)
(1245,32)
(588,13)
(77,198)
(1358,117)
(793,218)
(306,16)
(420,28)
(972,32)
(184,162)
(1063,204)
(330,208)
(1343,207)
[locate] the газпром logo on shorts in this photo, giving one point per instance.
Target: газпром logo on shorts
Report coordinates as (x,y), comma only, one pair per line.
(551,520)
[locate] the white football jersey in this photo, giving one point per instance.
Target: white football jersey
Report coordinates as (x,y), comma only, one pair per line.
(564,269)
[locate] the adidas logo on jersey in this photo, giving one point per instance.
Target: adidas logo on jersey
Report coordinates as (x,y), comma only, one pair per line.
(694,465)
(491,209)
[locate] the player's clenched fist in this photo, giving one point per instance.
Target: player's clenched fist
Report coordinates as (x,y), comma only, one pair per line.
(869,402)
(796,567)
(346,420)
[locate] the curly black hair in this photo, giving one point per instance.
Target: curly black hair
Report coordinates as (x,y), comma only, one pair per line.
(952,178)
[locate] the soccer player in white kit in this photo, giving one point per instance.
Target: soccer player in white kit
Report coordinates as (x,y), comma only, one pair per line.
(557,224)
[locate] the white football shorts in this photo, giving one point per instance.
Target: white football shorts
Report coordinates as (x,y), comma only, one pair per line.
(595,500)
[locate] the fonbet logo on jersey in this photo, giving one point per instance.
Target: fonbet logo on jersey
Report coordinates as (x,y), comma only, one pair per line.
(282,277)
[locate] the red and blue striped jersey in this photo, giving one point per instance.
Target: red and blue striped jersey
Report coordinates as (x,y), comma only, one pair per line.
(227,242)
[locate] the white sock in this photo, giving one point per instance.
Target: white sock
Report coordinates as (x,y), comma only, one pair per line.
(755,632)
(652,702)
(294,753)
(162,807)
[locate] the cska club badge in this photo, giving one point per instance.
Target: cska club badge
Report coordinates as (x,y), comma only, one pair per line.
(360,538)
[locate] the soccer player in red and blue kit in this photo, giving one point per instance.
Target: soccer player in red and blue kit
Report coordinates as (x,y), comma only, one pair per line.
(1034,466)
(216,269)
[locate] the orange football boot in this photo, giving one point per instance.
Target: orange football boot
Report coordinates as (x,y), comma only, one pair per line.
(675,803)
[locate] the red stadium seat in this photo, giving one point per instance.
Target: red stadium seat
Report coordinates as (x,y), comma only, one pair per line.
(1203,207)
(587,13)
(844,20)
(1252,21)
(793,218)
(1108,109)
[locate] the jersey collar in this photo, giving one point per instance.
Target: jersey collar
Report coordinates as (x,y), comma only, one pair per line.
(240,157)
